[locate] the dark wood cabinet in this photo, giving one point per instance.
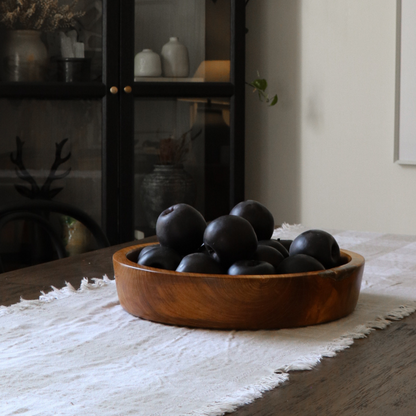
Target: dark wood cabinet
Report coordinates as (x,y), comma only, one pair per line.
(115,121)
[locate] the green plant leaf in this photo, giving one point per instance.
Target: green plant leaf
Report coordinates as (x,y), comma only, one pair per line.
(260,84)
(274,101)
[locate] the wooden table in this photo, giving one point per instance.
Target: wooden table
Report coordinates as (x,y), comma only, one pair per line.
(374,377)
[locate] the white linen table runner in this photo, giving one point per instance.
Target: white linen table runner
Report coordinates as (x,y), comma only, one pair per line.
(77,352)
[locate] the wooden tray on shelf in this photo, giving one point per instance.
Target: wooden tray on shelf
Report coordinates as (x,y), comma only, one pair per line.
(236,302)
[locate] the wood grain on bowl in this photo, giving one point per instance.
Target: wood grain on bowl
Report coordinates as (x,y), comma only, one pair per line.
(236,302)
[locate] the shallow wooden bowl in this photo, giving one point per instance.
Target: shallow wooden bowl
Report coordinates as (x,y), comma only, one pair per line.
(236,302)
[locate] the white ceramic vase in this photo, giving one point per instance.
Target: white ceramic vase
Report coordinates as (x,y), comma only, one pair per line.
(23,56)
(147,64)
(175,59)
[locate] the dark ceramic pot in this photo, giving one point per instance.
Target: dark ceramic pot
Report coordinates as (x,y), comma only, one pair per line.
(167,185)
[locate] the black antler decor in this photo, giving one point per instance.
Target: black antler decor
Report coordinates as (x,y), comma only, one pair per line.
(35,192)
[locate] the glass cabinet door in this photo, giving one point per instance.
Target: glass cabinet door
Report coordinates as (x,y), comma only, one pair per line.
(186,126)
(53,108)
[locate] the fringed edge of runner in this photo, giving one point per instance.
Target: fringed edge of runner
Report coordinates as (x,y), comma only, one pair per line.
(56,293)
(250,393)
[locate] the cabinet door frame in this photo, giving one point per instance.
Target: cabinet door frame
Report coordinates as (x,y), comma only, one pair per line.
(111,121)
(126,117)
(110,111)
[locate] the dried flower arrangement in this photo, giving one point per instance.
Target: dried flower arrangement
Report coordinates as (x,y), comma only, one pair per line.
(42,15)
(173,151)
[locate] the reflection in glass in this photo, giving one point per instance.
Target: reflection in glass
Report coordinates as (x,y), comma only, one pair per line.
(49,150)
(182,154)
(40,125)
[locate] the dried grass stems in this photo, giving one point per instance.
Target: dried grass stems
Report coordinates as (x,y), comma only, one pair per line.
(43,15)
(174,151)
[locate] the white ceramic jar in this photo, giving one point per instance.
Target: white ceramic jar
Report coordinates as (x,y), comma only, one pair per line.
(147,64)
(175,59)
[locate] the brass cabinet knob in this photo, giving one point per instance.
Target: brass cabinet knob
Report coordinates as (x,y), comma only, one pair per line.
(128,89)
(114,90)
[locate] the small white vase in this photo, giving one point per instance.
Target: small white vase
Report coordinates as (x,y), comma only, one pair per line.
(23,57)
(175,59)
(147,64)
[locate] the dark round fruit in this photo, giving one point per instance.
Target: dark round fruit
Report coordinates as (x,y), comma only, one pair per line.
(269,255)
(258,216)
(145,249)
(318,244)
(285,243)
(161,258)
(199,263)
(230,238)
(343,259)
(275,244)
(181,228)
(299,263)
(251,267)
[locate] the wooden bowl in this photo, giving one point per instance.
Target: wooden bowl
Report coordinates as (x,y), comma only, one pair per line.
(236,302)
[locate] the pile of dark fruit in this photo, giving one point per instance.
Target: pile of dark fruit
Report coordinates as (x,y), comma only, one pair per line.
(237,244)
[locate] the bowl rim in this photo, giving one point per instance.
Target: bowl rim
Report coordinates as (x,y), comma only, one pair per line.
(337,273)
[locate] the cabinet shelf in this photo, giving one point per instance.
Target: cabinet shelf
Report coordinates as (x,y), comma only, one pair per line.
(91,90)
(52,90)
(183,89)
(166,79)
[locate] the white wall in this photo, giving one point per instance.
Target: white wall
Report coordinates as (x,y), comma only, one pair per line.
(323,156)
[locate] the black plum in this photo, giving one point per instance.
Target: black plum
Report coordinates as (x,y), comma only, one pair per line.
(268,254)
(199,263)
(230,238)
(285,243)
(181,227)
(258,216)
(299,263)
(145,249)
(161,258)
(238,243)
(251,267)
(275,244)
(343,259)
(318,244)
